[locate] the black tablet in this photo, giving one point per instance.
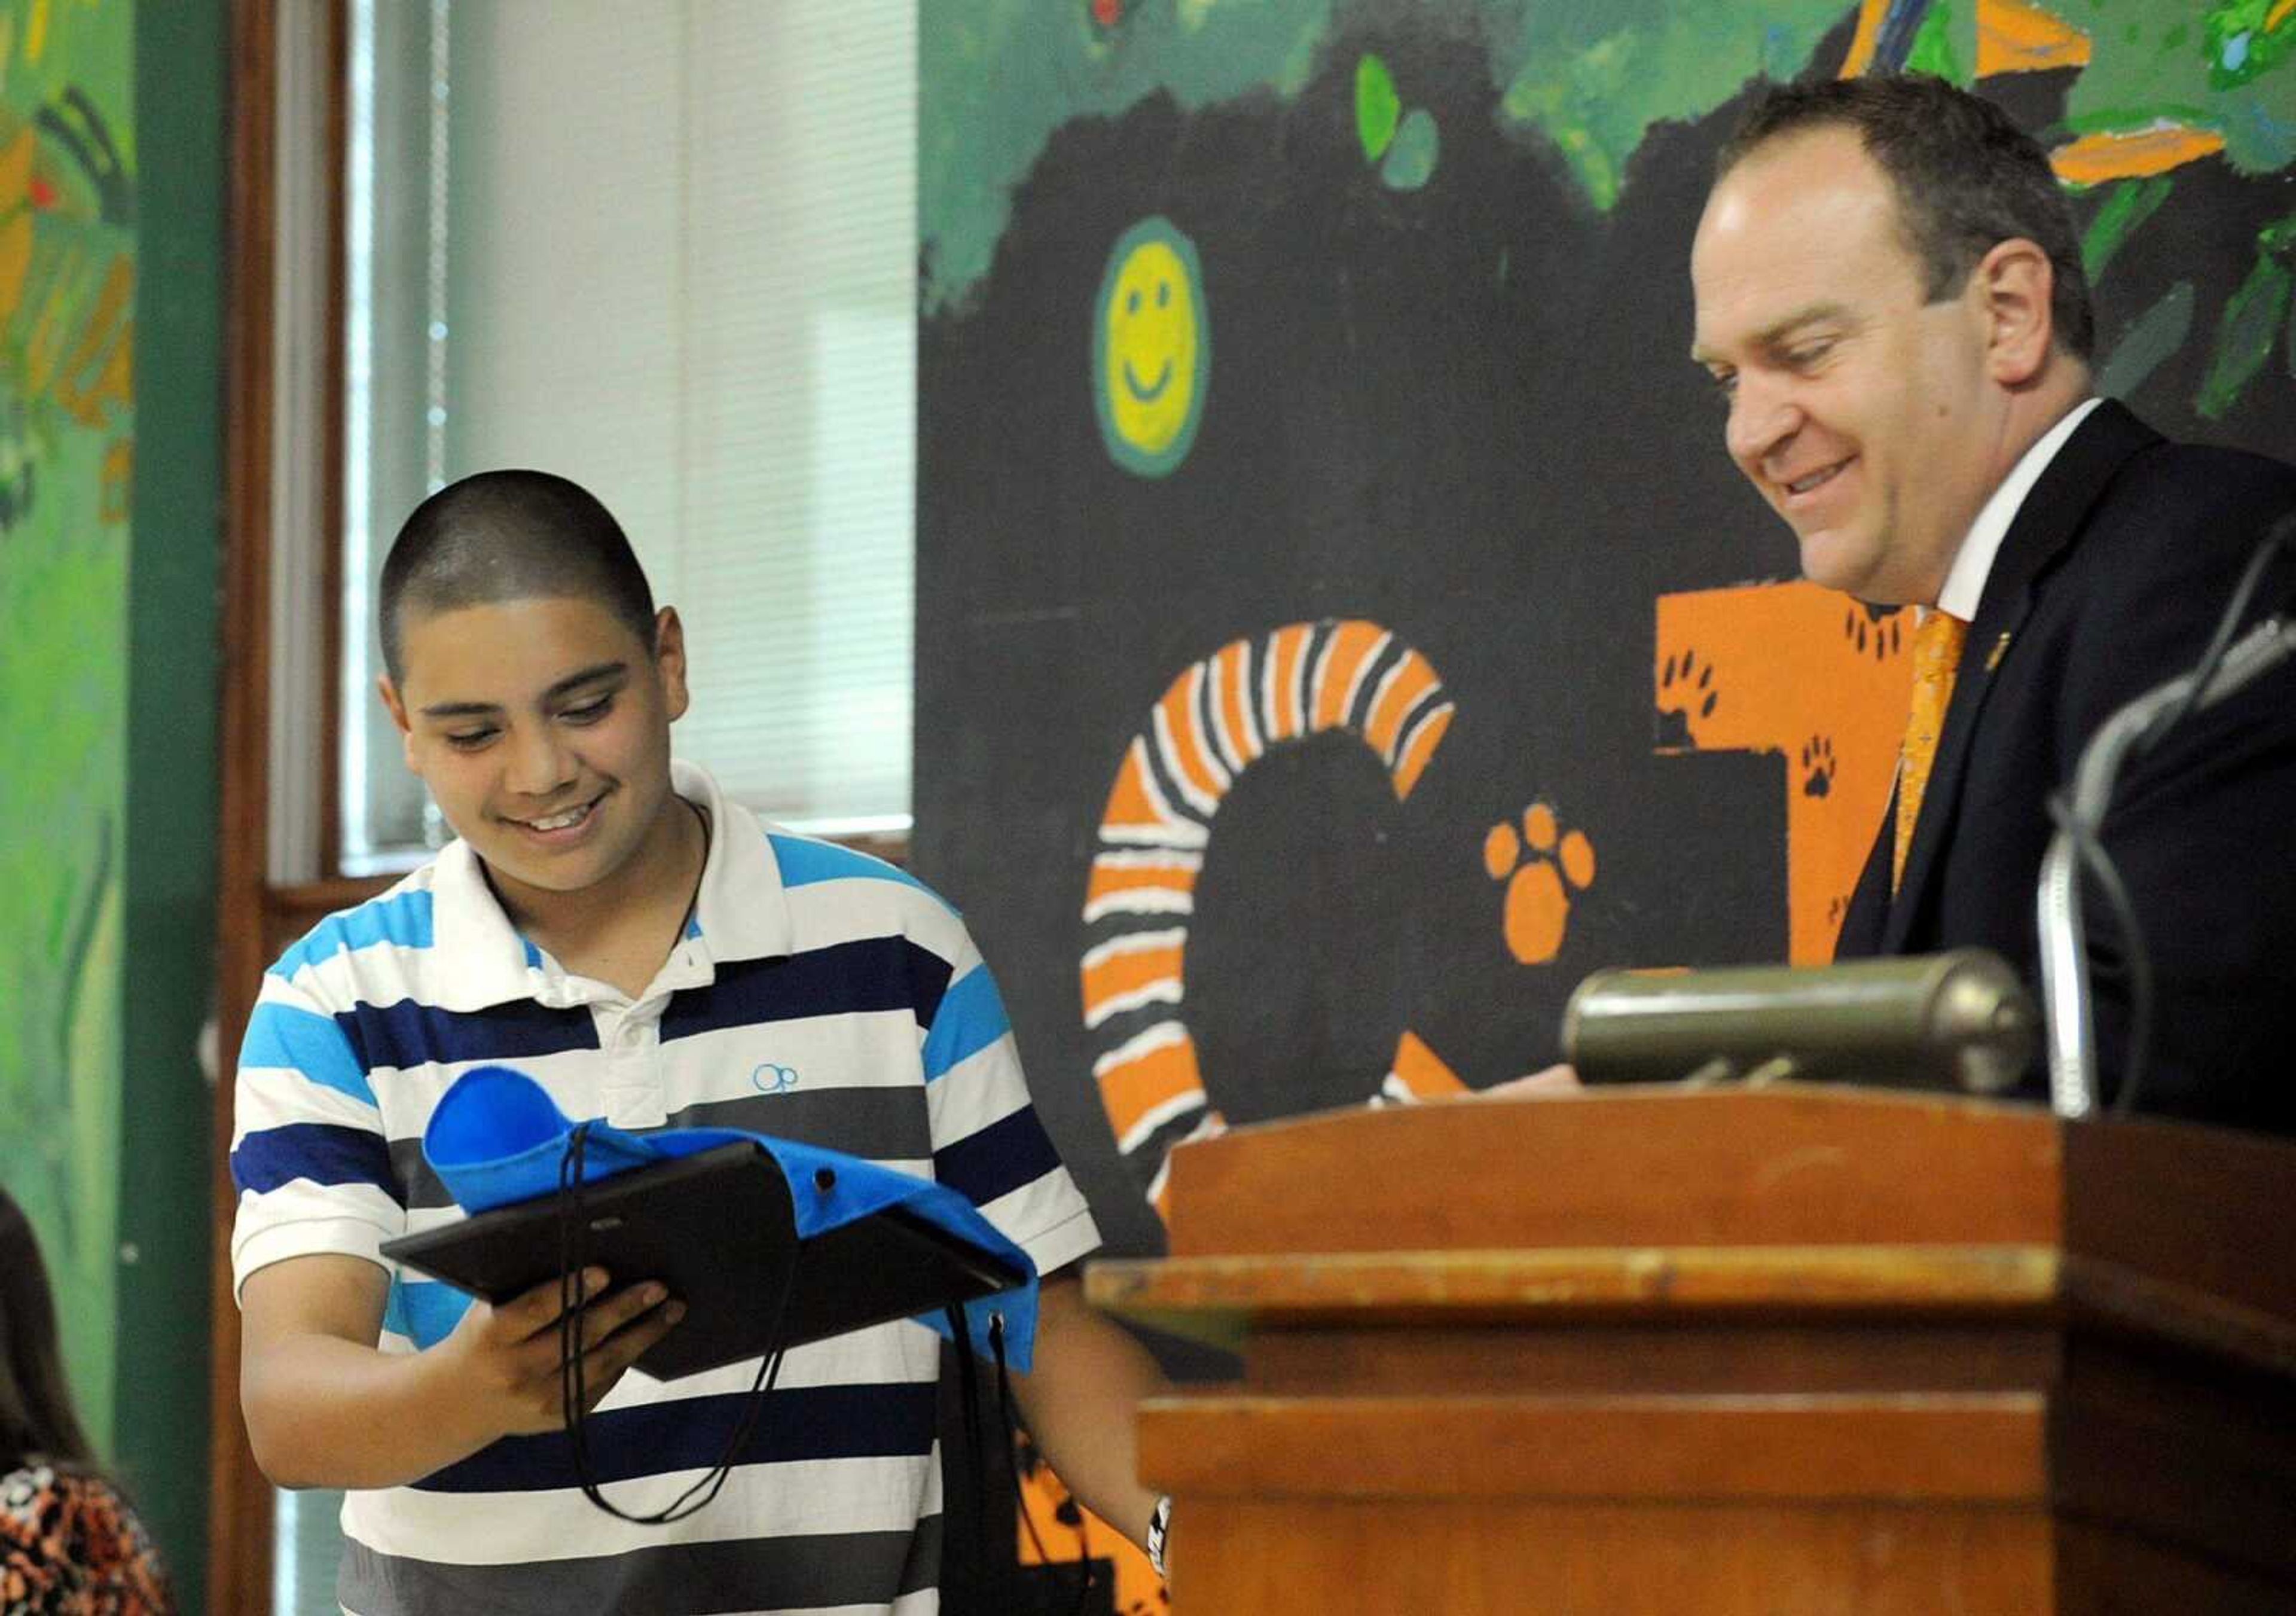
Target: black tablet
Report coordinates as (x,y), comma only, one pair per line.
(716,1228)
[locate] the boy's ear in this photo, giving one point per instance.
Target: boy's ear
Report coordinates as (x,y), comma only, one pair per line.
(389,692)
(396,706)
(669,658)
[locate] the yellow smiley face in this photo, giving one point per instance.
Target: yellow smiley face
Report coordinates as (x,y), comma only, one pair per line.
(1152,349)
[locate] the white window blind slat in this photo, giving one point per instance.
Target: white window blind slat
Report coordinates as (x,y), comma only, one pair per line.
(681,270)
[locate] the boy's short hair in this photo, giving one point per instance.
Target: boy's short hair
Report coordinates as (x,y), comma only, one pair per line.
(510,536)
(1966,176)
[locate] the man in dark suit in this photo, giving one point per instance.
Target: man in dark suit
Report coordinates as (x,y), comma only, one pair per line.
(1890,294)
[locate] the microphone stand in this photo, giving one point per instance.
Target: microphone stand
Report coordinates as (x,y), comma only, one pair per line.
(2064,955)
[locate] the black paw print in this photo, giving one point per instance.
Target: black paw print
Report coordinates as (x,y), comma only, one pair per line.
(1817,766)
(1686,689)
(1871,628)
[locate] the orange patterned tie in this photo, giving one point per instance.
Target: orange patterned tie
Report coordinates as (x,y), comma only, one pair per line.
(1937,653)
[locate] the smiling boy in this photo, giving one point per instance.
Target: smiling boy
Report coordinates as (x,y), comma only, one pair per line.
(608,921)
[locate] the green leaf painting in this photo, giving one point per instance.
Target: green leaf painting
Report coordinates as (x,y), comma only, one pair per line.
(67,313)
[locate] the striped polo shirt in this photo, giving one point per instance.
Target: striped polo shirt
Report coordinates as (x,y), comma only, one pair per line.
(818,995)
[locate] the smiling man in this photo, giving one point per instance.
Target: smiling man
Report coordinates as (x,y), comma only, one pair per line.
(611,923)
(1889,296)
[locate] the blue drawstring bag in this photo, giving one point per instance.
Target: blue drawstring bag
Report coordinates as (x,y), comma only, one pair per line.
(496,1139)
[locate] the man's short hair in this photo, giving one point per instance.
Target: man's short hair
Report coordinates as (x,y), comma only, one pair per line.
(1966,177)
(510,536)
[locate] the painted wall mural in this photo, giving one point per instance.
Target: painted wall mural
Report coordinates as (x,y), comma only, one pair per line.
(1298,723)
(67,435)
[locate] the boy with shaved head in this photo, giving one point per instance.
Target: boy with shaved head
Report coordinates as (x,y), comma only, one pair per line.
(608,921)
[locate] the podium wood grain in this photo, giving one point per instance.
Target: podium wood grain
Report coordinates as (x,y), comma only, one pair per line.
(1768,1351)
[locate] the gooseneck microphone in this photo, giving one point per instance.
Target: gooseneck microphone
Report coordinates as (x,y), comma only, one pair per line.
(1959,1019)
(2064,953)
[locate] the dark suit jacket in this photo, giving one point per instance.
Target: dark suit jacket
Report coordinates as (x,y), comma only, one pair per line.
(2110,580)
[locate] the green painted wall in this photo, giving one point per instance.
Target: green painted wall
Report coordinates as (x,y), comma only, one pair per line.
(160,1426)
(109,490)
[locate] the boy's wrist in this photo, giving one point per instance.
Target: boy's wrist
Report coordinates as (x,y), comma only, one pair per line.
(1160,1534)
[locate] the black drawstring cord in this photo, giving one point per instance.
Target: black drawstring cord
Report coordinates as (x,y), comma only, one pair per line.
(573,1257)
(1085,1583)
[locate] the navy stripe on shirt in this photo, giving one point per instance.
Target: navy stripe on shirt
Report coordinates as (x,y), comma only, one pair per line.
(866,974)
(798,1423)
(320,1151)
(998,1158)
(409,1034)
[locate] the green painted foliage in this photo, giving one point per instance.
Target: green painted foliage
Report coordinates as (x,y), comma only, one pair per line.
(1378,108)
(1946,43)
(2246,338)
(998,76)
(2126,207)
(1411,161)
(63,609)
(2148,64)
(1593,78)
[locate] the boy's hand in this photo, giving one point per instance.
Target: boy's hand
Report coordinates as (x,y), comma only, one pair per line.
(501,1364)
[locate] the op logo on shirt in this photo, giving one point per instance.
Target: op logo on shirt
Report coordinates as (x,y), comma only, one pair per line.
(771,1080)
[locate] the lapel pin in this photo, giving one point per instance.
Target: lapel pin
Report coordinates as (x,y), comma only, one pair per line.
(2000,648)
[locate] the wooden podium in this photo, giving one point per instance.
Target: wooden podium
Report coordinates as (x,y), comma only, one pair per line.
(1784,1350)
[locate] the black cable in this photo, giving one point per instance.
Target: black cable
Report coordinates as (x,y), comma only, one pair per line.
(573,1239)
(1085,1583)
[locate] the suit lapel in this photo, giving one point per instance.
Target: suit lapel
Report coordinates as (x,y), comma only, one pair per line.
(2048,522)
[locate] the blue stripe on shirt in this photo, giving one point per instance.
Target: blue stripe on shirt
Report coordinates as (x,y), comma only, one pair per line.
(998,1158)
(409,1034)
(319,1152)
(423,1311)
(972,1018)
(869,973)
(280,1035)
(797,1423)
(803,862)
(404,919)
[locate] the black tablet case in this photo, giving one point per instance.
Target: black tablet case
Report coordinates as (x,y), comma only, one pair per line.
(717,1228)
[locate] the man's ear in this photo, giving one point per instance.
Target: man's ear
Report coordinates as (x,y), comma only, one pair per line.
(2015,282)
(670,660)
(396,706)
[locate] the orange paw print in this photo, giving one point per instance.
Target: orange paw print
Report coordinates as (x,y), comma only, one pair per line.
(1541,868)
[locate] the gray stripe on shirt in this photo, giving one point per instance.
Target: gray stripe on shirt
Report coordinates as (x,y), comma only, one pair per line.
(802,1573)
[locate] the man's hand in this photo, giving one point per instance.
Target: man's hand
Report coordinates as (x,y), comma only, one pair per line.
(1558,1080)
(500,1365)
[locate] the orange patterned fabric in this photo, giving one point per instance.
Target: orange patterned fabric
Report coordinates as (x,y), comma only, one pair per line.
(1937,653)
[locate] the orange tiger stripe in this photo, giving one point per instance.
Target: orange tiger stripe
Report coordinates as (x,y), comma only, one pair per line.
(1351,642)
(1129,1092)
(1414,679)
(1289,642)
(1235,700)
(1179,709)
(1118,974)
(1419,752)
(1107,879)
(1130,805)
